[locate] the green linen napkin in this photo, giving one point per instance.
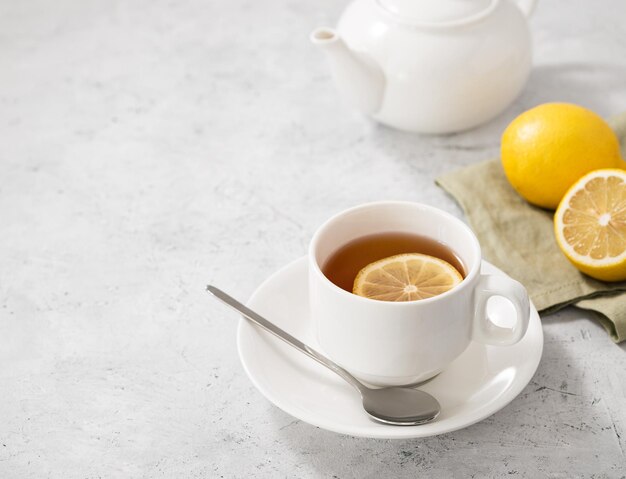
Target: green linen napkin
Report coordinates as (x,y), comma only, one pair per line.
(518,238)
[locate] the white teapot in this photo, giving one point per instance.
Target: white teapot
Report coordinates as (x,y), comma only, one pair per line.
(431,66)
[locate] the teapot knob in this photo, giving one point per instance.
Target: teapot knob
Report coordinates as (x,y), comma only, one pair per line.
(527,6)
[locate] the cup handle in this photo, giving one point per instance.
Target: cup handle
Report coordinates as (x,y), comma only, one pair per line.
(484,330)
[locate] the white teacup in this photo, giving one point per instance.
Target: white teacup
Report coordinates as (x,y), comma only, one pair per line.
(398,343)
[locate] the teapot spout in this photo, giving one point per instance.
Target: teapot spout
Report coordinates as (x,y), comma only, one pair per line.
(357,75)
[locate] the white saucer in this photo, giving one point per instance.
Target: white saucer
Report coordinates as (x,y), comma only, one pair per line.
(478,383)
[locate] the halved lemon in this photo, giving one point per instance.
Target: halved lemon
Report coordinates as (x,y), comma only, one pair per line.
(590,224)
(406,277)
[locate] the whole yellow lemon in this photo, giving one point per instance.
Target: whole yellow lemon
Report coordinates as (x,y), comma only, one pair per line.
(548,148)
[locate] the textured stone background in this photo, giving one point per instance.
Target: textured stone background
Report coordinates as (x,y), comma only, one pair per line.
(150,147)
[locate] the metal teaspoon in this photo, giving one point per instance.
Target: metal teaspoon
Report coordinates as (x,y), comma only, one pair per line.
(400,406)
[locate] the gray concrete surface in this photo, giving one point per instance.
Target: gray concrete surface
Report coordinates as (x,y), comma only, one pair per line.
(150,147)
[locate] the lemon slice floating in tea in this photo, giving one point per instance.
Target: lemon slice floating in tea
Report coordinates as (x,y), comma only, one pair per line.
(406,277)
(590,224)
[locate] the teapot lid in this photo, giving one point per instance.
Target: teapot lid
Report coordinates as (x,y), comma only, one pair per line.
(436,12)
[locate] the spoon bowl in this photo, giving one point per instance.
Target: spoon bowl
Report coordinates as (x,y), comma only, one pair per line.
(400,406)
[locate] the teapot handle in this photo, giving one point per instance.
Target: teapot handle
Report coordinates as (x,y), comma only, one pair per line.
(526,6)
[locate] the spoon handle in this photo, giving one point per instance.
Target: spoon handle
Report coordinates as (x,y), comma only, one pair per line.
(284,335)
